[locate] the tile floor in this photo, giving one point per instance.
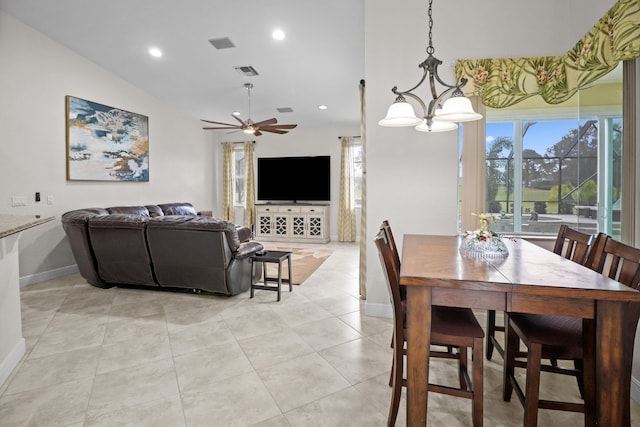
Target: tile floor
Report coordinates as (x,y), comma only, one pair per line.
(122,357)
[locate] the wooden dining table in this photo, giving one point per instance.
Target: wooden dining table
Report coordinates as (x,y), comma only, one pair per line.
(530,279)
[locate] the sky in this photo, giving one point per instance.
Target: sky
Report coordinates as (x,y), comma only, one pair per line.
(539,136)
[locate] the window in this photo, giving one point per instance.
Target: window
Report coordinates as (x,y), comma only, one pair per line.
(541,173)
(238,175)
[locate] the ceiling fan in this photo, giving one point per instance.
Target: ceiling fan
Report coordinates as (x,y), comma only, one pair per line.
(249,126)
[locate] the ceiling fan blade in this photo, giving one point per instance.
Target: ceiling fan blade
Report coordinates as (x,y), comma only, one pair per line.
(282,126)
(217,123)
(215,128)
(240,120)
(272,130)
(266,122)
(257,132)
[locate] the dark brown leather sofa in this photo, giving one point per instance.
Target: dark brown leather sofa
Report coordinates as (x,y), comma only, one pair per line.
(168,246)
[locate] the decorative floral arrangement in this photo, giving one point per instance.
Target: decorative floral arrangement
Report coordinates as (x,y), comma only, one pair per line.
(484,233)
(483,241)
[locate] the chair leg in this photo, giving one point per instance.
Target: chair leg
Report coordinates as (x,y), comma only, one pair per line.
(478,385)
(578,365)
(589,371)
(511,348)
(491,332)
(463,368)
(397,369)
(532,393)
(392,364)
(393,367)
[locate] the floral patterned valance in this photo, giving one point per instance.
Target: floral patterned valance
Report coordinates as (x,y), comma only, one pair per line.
(504,82)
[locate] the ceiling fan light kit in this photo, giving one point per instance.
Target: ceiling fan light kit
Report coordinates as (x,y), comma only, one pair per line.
(249,126)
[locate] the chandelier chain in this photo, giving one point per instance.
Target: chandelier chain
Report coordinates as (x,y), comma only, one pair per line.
(430,48)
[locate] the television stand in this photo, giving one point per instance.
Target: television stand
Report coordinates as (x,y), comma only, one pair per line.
(293,223)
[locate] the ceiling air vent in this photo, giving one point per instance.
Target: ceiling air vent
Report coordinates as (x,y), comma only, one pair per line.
(246,70)
(222,43)
(285,110)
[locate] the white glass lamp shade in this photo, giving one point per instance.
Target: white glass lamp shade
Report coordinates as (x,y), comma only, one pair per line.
(400,114)
(457,109)
(437,126)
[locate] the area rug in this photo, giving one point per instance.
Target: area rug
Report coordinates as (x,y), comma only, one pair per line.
(304,261)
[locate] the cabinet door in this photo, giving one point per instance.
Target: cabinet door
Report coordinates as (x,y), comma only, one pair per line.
(298,225)
(280,225)
(315,226)
(265,224)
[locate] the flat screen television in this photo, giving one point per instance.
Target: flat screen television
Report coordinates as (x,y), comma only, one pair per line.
(294,179)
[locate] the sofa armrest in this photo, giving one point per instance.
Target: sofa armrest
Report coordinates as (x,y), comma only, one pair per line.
(244,233)
(247,249)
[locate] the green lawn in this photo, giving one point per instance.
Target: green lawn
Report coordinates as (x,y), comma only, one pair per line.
(529,196)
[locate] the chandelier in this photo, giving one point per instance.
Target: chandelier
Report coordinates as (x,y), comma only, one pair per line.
(444,111)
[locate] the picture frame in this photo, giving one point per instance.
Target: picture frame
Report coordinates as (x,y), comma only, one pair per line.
(105,143)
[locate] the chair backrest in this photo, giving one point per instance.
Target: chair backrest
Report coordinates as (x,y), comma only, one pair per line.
(392,274)
(618,261)
(391,241)
(386,228)
(595,252)
(572,244)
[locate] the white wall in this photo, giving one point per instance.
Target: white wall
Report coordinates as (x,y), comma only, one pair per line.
(36,74)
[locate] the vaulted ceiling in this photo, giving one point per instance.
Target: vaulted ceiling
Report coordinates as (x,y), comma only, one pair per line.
(319,62)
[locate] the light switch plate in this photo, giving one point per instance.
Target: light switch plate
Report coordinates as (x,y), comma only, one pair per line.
(19,201)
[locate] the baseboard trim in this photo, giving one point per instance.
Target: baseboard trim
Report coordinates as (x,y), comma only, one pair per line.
(12,360)
(48,275)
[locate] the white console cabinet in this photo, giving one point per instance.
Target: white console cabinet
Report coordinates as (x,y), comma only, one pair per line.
(293,223)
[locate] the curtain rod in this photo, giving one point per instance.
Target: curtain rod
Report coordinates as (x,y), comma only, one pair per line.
(352,136)
(236,142)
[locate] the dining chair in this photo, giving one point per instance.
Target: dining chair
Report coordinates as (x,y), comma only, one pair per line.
(450,327)
(562,338)
(571,244)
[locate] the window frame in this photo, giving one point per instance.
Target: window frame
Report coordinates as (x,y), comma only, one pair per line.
(603,119)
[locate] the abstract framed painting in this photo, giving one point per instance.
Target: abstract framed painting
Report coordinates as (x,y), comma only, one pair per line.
(105,143)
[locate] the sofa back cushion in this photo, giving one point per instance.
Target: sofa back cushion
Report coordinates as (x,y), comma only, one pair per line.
(178,209)
(132,210)
(192,251)
(120,246)
(154,210)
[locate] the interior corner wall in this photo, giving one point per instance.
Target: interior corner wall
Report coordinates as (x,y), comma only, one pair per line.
(36,73)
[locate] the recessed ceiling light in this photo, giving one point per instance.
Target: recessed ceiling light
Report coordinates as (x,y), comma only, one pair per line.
(235,113)
(323,107)
(154,51)
(278,34)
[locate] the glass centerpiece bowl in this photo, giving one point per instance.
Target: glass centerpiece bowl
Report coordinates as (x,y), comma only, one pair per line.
(483,242)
